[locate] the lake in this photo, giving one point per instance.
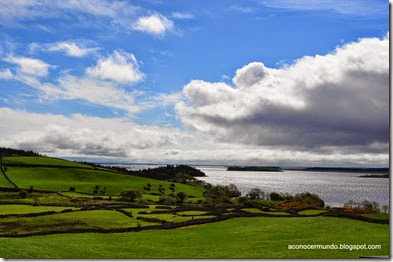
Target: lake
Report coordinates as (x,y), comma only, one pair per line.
(335,188)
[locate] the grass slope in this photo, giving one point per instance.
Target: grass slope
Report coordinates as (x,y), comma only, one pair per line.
(25,209)
(84,180)
(22,160)
(235,238)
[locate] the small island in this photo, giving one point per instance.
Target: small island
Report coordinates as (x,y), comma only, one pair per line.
(376,176)
(255,168)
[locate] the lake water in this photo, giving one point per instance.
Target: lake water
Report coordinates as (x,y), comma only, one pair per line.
(335,188)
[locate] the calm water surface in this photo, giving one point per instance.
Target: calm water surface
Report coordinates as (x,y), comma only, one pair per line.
(333,187)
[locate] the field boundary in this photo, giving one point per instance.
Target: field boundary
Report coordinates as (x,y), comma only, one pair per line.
(172,225)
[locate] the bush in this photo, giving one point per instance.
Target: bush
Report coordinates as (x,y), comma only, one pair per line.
(242,200)
(312,199)
(180,197)
(274,196)
(366,204)
(161,189)
(22,193)
(232,191)
(130,195)
(31,188)
(216,194)
(167,200)
(172,187)
(256,193)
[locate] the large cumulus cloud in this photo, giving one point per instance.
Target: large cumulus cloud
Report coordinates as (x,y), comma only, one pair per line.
(81,135)
(335,100)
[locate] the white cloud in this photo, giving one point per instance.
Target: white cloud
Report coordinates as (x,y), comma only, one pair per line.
(6,74)
(25,10)
(347,7)
(96,92)
(182,15)
(119,139)
(79,134)
(29,66)
(71,49)
(120,67)
(154,24)
(339,99)
(102,84)
(103,14)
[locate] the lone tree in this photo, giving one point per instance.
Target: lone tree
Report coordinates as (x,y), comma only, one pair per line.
(180,197)
(255,193)
(232,191)
(172,187)
(130,195)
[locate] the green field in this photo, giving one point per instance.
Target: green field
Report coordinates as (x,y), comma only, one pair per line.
(246,237)
(25,209)
(49,161)
(377,216)
(84,180)
(311,212)
(236,238)
(82,219)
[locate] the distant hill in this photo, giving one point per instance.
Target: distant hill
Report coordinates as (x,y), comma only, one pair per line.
(4,152)
(255,168)
(347,169)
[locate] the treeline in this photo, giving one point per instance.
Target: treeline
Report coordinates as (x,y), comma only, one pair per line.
(180,173)
(255,168)
(171,172)
(4,152)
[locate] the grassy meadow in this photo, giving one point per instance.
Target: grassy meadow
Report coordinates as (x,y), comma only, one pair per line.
(193,228)
(236,238)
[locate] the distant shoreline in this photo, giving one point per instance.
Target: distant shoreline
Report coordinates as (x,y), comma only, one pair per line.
(255,168)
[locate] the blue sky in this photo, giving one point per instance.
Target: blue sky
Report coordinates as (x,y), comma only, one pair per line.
(164,45)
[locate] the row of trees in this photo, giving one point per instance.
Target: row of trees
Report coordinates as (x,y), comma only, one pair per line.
(369,205)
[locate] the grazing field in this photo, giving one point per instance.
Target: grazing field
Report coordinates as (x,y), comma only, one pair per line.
(25,209)
(80,219)
(49,161)
(84,180)
(377,216)
(260,237)
(205,222)
(311,212)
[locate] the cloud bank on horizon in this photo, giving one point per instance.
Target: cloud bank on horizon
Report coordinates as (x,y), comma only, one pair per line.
(136,88)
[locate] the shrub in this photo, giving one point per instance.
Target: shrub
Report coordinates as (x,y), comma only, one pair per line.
(147,187)
(172,187)
(216,194)
(31,188)
(274,196)
(161,190)
(312,199)
(180,197)
(255,193)
(22,193)
(232,191)
(96,189)
(242,200)
(167,200)
(366,204)
(130,195)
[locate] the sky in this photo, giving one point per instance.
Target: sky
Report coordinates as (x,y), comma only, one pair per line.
(257,82)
